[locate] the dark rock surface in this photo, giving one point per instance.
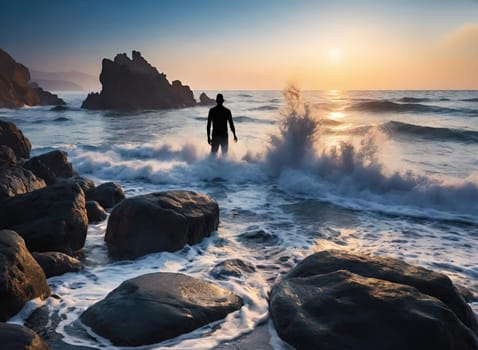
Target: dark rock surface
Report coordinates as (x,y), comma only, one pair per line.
(50,219)
(16,337)
(336,300)
(17,180)
(161,221)
(21,278)
(158,306)
(258,339)
(95,212)
(50,166)
(7,156)
(86,184)
(133,84)
(13,138)
(205,100)
(107,194)
(232,267)
(14,89)
(56,263)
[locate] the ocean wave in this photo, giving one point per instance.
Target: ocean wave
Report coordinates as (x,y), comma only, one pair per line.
(428,132)
(475,99)
(386,106)
(265,108)
(408,99)
(243,119)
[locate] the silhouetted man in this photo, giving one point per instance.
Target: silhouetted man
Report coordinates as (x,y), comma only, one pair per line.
(219,116)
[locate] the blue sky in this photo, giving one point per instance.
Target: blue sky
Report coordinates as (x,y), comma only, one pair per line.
(236,38)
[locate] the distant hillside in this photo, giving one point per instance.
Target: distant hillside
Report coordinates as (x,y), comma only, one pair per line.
(58,85)
(65,80)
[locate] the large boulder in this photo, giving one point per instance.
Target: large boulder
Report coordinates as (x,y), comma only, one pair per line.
(7,156)
(17,180)
(158,306)
(21,278)
(12,137)
(132,84)
(16,337)
(14,89)
(161,221)
(107,194)
(50,219)
(56,263)
(336,300)
(50,166)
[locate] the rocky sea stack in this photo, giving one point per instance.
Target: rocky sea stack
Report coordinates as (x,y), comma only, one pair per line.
(15,90)
(134,84)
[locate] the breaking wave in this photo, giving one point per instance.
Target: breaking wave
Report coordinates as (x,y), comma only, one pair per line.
(386,106)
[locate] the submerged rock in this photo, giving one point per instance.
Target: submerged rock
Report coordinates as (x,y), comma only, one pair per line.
(132,84)
(56,263)
(16,337)
(158,306)
(337,300)
(232,267)
(49,219)
(14,89)
(22,279)
(107,194)
(17,180)
(12,137)
(161,221)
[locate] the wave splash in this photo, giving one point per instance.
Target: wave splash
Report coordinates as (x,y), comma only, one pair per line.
(296,158)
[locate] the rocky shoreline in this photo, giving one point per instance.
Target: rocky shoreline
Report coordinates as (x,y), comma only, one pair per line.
(330,300)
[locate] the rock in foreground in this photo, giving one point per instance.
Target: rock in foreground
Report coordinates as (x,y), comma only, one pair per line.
(161,221)
(107,194)
(12,137)
(50,166)
(56,263)
(133,84)
(16,337)
(50,219)
(14,89)
(21,278)
(158,306)
(335,300)
(17,180)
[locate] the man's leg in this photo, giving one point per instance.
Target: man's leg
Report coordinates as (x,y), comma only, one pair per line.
(215,145)
(224,145)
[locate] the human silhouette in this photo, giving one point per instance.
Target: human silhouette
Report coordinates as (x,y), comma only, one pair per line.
(218,117)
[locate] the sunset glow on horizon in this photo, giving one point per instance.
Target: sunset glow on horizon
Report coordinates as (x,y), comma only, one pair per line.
(226,45)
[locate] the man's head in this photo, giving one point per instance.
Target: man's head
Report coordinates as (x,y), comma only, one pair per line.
(219,99)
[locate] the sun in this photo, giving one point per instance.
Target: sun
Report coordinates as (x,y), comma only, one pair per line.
(335,55)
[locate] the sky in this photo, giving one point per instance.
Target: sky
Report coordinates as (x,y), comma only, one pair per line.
(267,44)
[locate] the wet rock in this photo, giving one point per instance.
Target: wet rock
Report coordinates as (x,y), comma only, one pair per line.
(95,212)
(232,267)
(21,279)
(14,89)
(134,84)
(86,185)
(17,180)
(7,156)
(49,219)
(336,300)
(161,221)
(205,100)
(158,306)
(50,166)
(426,281)
(258,339)
(12,137)
(16,337)
(107,194)
(56,263)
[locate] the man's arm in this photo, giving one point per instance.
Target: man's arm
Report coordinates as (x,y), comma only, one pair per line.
(231,125)
(209,119)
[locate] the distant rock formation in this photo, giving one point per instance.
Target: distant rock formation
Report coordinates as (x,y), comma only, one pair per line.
(132,84)
(205,100)
(14,88)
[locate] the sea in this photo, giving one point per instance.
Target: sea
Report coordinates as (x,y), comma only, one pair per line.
(389,173)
